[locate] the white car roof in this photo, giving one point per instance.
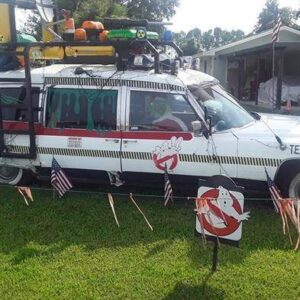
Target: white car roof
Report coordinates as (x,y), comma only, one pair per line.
(184,77)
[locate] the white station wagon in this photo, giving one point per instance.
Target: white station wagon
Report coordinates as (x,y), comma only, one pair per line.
(95,119)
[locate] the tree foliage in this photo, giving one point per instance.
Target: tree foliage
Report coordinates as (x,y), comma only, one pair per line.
(31,26)
(196,40)
(154,10)
(269,14)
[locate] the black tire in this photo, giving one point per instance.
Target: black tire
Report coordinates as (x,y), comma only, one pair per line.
(14,176)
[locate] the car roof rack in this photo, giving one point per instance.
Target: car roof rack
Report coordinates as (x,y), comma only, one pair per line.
(127,38)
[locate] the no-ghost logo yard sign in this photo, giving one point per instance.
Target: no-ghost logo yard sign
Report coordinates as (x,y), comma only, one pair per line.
(220,210)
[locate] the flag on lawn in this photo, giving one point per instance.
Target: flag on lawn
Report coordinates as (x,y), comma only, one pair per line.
(274,191)
(168,195)
(26,193)
(59,179)
(276,29)
(287,208)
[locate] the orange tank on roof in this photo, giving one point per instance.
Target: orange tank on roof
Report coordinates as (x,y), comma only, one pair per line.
(103,36)
(92,25)
(80,34)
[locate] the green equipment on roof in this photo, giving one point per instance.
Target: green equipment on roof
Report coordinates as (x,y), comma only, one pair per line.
(129,34)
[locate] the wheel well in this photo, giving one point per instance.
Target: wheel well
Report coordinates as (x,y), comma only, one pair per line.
(286,172)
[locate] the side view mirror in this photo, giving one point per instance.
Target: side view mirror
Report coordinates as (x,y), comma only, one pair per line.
(197,128)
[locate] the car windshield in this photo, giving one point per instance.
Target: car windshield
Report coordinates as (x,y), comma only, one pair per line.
(221,107)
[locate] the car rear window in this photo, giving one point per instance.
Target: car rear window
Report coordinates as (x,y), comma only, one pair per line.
(90,109)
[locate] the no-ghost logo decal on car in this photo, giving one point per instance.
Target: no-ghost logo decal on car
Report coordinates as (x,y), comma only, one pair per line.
(167,154)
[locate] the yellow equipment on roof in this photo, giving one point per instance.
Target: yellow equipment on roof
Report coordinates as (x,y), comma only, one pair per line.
(5,34)
(90,51)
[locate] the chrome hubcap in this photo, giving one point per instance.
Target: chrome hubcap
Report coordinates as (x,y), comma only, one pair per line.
(8,173)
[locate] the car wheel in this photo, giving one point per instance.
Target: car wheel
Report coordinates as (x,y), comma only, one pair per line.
(14,175)
(294,187)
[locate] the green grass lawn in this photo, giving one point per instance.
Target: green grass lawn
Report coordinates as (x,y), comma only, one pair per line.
(72,249)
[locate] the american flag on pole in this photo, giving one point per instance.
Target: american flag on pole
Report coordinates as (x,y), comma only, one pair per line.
(59,179)
(168,193)
(274,191)
(276,29)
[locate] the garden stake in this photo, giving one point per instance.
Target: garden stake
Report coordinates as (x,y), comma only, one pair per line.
(215,256)
(130,196)
(111,202)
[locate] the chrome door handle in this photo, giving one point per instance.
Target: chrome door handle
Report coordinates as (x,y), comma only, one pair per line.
(112,140)
(130,141)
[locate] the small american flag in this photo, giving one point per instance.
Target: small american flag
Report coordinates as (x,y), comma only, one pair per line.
(274,191)
(276,29)
(168,195)
(59,179)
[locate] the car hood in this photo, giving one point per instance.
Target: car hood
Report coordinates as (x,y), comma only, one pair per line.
(286,127)
(283,125)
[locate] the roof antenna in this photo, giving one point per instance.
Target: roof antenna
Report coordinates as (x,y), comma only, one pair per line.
(282,145)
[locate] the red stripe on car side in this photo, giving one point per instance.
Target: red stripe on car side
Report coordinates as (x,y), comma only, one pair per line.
(138,135)
(156,135)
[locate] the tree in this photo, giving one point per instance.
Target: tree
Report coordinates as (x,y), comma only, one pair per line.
(96,10)
(190,47)
(219,37)
(31,26)
(194,33)
(195,40)
(153,10)
(269,14)
(208,39)
(189,42)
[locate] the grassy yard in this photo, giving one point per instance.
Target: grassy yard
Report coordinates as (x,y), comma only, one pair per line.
(72,249)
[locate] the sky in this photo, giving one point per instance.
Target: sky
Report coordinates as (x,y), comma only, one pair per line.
(227,14)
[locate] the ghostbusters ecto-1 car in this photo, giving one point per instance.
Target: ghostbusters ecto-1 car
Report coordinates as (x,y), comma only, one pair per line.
(119,101)
(96,119)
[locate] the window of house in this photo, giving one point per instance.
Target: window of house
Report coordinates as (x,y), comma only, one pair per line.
(154,111)
(17,95)
(90,109)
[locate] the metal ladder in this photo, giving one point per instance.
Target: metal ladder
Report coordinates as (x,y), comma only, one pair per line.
(5,150)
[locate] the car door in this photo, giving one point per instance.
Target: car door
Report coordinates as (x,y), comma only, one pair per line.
(158,134)
(81,129)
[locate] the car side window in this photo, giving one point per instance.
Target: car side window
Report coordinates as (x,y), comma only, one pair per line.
(17,95)
(89,109)
(156,111)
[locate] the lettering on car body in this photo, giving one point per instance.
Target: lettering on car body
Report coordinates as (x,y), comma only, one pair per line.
(295,149)
(74,142)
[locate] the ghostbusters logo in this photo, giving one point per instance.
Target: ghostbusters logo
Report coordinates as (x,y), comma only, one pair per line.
(167,154)
(226,212)
(220,209)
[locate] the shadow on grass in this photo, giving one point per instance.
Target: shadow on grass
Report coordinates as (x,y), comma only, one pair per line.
(159,248)
(85,220)
(262,232)
(203,291)
(22,254)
